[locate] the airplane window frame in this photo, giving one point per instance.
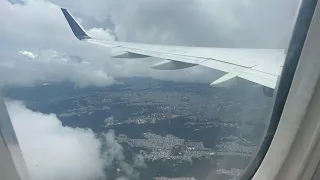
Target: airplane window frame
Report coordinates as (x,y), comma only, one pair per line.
(298,38)
(11,155)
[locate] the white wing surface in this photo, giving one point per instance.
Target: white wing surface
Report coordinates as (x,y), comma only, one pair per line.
(262,66)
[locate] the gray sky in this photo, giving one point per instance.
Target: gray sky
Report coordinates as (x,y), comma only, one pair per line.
(228,23)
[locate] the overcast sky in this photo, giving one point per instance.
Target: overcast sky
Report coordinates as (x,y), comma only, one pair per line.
(36,46)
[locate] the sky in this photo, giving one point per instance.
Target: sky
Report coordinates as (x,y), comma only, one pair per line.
(37,46)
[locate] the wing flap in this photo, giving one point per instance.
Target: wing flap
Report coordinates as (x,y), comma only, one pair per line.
(264,79)
(172,65)
(130,55)
(250,74)
(222,80)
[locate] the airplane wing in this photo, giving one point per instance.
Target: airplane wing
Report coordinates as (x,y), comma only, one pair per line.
(262,66)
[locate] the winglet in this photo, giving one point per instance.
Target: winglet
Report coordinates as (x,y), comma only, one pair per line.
(76,28)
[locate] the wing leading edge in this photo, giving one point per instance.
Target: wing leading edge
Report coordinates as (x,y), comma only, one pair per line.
(262,66)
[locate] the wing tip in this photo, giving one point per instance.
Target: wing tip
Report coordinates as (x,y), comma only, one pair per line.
(76,28)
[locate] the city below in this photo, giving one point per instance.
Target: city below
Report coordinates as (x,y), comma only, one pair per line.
(182,130)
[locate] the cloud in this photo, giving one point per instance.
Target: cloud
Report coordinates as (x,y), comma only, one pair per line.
(52,151)
(138,161)
(49,65)
(100,33)
(114,157)
(122,178)
(28,54)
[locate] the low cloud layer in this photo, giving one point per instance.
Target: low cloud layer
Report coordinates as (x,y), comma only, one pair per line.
(52,151)
(138,161)
(29,68)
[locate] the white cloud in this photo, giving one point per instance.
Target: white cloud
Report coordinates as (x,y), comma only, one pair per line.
(28,54)
(51,66)
(122,178)
(138,161)
(52,151)
(115,157)
(100,33)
